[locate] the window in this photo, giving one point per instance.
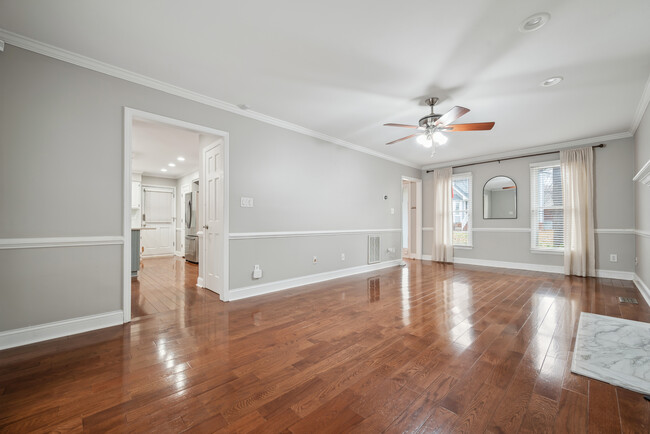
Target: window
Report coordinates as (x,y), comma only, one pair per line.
(462,209)
(546,213)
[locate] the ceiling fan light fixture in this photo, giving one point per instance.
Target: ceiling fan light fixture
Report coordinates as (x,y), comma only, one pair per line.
(425,140)
(439,138)
(551,81)
(534,22)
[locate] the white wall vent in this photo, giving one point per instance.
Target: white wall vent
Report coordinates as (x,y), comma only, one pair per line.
(373,249)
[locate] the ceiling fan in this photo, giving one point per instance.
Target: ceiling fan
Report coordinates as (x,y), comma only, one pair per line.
(431,126)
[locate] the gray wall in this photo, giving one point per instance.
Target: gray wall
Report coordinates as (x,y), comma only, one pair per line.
(61,134)
(614,204)
(642,203)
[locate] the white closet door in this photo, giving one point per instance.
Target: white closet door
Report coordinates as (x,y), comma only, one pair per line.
(158,206)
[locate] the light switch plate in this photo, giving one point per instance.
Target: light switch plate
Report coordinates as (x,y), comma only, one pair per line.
(246,202)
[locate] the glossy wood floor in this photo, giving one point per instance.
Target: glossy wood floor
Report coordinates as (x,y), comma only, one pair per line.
(425,348)
(164,284)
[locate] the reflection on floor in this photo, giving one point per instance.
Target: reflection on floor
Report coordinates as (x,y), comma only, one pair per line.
(422,348)
(164,284)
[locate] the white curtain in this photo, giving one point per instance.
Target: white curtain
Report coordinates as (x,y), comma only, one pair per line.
(578,192)
(443,247)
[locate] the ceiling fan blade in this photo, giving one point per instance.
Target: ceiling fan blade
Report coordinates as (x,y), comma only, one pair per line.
(479,126)
(403,138)
(401,125)
(451,115)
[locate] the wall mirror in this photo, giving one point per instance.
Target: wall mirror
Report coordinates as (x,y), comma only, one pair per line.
(500,198)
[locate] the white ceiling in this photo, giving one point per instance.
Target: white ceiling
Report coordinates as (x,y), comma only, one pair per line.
(154,145)
(344,68)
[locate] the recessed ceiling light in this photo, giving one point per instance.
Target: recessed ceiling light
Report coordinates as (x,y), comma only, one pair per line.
(551,81)
(163,170)
(181,158)
(534,22)
(172,165)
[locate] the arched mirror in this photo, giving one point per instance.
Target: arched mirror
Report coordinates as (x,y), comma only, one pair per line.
(500,198)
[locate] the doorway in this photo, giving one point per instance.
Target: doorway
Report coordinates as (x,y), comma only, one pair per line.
(159,212)
(411,216)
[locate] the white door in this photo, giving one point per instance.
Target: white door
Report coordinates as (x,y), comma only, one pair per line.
(158,213)
(213,225)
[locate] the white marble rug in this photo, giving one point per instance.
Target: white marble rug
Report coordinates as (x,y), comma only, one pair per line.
(613,350)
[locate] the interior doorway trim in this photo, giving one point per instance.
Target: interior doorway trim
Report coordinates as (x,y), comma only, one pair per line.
(129,115)
(417,253)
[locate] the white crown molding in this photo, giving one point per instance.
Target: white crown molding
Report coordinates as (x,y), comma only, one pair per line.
(523,152)
(124,74)
(644,234)
(291,234)
(642,287)
(280,285)
(37,243)
(641,107)
(43,332)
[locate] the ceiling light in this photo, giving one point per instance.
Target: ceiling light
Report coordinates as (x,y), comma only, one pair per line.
(172,165)
(181,158)
(439,138)
(163,170)
(534,22)
(425,140)
(552,81)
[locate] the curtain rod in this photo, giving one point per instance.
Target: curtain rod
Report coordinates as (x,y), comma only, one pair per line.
(511,158)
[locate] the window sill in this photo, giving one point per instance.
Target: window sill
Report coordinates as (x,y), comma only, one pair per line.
(548,252)
(464,247)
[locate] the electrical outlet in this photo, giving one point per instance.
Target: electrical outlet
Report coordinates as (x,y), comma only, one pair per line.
(392,210)
(636,261)
(257,272)
(342,256)
(315,260)
(246,202)
(613,257)
(390,250)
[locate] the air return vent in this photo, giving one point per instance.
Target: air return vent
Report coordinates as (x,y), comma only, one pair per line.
(373,249)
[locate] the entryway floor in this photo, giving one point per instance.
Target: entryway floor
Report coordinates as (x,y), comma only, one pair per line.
(164,284)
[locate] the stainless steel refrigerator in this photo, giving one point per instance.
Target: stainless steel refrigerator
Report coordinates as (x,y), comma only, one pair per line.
(191,239)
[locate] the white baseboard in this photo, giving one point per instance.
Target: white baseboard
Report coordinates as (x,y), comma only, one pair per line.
(611,274)
(266,288)
(558,269)
(178,253)
(643,288)
(200,283)
(166,255)
(43,332)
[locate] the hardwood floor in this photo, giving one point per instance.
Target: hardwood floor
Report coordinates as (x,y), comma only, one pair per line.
(164,284)
(425,348)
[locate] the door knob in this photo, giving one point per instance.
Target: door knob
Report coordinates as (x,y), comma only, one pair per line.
(205,226)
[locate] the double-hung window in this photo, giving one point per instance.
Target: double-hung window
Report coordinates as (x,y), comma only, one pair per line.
(462,209)
(546,213)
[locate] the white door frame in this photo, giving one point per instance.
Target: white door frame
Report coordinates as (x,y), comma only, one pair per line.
(415,253)
(129,115)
